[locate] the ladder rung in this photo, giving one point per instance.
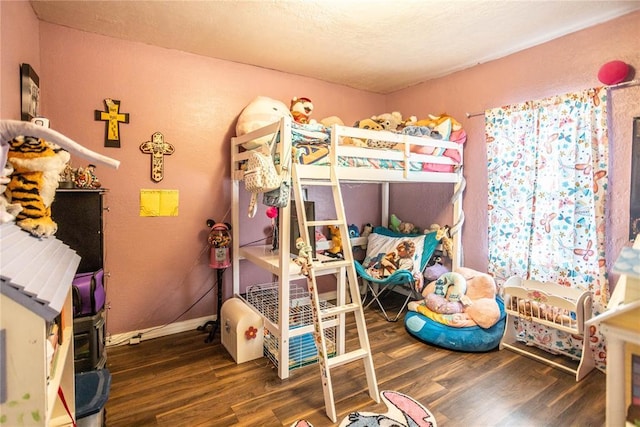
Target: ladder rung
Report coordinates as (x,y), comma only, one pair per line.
(349,357)
(325,222)
(340,309)
(317,182)
(331,264)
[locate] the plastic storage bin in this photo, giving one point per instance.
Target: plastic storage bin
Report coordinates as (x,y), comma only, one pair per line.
(242,331)
(92,392)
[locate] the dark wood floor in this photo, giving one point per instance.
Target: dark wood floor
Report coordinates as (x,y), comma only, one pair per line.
(180,380)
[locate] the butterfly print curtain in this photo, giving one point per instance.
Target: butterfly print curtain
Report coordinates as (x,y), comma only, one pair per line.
(547,172)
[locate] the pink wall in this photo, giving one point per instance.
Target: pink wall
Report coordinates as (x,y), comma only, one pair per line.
(19,43)
(563,65)
(159,266)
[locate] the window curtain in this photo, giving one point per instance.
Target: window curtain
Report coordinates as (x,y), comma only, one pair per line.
(547,171)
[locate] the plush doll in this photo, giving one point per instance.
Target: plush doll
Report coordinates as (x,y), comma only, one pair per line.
(404,227)
(8,211)
(336,240)
(301,109)
(479,301)
(394,223)
(366,230)
(368,124)
(328,122)
(481,292)
(364,124)
(258,113)
(444,236)
(389,121)
(331,120)
(451,286)
(408,228)
(305,255)
(31,176)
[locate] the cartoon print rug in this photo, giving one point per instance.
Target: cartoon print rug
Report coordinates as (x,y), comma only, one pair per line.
(402,411)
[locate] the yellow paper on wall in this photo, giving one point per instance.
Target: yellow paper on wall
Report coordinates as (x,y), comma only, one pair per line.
(159,202)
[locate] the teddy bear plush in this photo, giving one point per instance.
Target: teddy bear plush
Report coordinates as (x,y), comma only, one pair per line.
(260,112)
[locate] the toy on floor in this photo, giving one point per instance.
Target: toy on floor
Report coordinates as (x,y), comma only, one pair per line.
(478,327)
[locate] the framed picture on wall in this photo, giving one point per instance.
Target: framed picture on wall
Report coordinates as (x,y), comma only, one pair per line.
(30,90)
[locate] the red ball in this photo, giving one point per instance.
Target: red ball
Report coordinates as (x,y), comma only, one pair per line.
(613,72)
(272,212)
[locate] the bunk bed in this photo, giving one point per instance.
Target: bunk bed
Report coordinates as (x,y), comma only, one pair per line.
(398,158)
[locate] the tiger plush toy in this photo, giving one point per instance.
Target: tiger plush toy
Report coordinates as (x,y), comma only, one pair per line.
(36,169)
(29,171)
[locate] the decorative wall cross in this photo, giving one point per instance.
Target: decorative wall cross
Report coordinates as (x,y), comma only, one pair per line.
(113,117)
(158,148)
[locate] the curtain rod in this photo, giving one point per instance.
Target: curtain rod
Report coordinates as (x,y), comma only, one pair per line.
(616,86)
(624,84)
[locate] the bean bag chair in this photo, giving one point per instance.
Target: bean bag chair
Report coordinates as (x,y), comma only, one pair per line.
(472,339)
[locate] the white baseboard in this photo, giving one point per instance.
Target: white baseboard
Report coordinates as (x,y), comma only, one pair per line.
(134,337)
(156,332)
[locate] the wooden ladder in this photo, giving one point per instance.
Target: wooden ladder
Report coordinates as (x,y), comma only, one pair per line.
(322,316)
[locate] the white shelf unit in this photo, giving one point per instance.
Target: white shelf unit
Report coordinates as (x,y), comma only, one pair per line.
(35,284)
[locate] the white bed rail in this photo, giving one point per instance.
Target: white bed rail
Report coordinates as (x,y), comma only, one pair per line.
(346,173)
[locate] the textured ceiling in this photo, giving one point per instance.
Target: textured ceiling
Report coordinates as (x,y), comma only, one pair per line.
(375,45)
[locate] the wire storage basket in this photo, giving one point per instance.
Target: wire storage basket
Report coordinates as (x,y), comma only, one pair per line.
(302,348)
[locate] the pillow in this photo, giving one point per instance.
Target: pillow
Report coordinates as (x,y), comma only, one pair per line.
(388,251)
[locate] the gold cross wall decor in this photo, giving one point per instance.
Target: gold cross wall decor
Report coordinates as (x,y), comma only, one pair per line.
(113,117)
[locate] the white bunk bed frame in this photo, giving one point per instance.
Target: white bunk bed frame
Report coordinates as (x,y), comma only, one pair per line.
(280,263)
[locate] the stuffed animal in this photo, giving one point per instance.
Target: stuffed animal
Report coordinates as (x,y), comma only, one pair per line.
(368,124)
(328,122)
(8,211)
(37,165)
(331,120)
(389,121)
(444,236)
(301,109)
(366,230)
(443,124)
(258,113)
(320,237)
(33,166)
(395,224)
(479,302)
(336,240)
(305,255)
(481,292)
